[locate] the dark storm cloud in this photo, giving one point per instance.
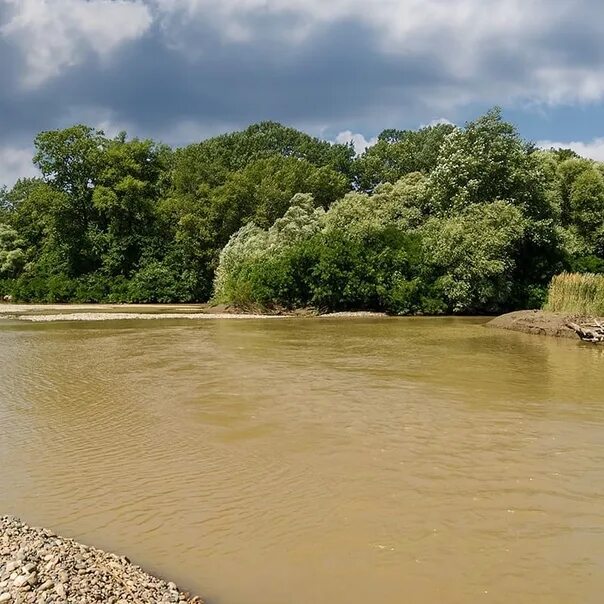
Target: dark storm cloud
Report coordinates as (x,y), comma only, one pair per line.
(182,77)
(332,79)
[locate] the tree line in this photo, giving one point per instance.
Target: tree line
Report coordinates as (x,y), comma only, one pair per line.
(439,220)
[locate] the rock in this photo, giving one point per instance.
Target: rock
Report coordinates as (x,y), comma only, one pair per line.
(37,566)
(20,581)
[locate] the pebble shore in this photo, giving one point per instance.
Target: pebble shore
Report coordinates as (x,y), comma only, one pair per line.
(38,566)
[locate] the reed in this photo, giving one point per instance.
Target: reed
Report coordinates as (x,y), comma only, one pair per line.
(581,294)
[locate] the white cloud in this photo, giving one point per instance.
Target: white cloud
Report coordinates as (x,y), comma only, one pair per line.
(15,163)
(359,142)
(593,149)
(55,34)
(437,122)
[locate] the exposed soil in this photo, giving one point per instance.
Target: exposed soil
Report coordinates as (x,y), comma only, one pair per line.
(540,322)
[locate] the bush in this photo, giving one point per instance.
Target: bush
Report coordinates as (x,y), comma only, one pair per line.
(155,283)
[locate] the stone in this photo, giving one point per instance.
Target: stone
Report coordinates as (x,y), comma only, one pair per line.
(37,566)
(20,581)
(32,579)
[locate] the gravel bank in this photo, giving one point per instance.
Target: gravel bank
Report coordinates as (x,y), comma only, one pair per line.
(540,322)
(90,316)
(38,566)
(47,313)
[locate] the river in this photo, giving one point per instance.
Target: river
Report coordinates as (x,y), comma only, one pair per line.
(324,461)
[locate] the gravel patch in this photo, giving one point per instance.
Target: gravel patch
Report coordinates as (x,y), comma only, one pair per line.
(134,316)
(38,566)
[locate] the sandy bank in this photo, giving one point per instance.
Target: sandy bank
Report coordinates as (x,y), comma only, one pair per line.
(44,313)
(540,322)
(38,566)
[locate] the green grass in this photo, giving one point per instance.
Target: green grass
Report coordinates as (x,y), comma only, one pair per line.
(581,294)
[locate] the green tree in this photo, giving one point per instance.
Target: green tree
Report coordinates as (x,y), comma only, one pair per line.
(568,171)
(12,255)
(261,192)
(209,163)
(472,255)
(400,152)
(587,204)
(484,162)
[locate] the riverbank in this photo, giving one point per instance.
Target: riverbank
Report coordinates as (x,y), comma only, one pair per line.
(38,566)
(540,322)
(41,313)
(44,313)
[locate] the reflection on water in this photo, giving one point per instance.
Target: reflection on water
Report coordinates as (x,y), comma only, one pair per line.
(327,461)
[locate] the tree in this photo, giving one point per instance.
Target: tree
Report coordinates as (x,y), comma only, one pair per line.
(587,204)
(568,171)
(398,153)
(472,255)
(484,162)
(71,159)
(261,193)
(209,163)
(12,256)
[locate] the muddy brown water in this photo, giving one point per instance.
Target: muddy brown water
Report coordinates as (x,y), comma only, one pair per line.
(331,461)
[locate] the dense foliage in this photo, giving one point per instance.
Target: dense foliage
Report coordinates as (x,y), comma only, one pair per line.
(443,219)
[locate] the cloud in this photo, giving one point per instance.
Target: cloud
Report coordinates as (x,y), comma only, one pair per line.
(536,51)
(180,70)
(53,35)
(593,149)
(15,163)
(359,142)
(437,122)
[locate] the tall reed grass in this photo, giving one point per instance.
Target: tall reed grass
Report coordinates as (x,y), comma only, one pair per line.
(581,294)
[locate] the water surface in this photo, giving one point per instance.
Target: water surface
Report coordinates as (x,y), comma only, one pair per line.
(330,461)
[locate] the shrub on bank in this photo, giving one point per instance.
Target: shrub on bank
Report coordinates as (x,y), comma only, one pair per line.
(577,293)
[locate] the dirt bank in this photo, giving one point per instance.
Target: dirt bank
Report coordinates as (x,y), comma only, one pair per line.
(38,566)
(540,322)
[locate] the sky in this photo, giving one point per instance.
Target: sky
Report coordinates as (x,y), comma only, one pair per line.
(183,70)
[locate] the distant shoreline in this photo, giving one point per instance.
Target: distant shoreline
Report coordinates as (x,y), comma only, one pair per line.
(536,322)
